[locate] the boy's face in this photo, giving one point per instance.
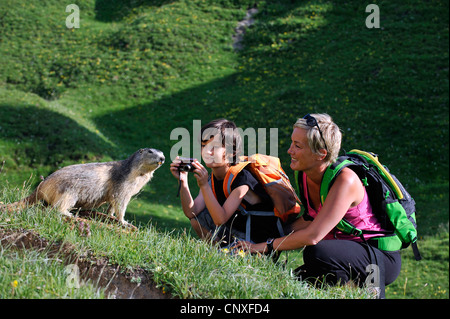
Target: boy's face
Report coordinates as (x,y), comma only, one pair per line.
(213,153)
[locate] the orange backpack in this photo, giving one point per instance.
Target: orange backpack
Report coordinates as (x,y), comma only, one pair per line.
(268,171)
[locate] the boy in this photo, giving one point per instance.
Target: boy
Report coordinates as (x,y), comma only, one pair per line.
(212,214)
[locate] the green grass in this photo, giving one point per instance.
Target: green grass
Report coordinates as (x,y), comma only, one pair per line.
(135,70)
(180,265)
(427,279)
(32,275)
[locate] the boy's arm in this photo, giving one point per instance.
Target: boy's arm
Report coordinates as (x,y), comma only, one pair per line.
(191,207)
(221,214)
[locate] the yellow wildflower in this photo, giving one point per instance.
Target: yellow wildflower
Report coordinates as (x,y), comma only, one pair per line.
(241,253)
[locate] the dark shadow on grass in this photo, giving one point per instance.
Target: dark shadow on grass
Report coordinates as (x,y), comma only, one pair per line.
(46,139)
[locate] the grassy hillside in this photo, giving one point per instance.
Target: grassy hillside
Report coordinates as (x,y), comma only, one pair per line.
(136,70)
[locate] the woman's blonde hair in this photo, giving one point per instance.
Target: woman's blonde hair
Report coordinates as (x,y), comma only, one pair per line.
(331,134)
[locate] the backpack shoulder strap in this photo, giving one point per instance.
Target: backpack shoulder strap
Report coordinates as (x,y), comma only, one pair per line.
(231,175)
(331,173)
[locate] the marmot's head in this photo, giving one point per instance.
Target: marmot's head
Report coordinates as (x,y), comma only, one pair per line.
(148,159)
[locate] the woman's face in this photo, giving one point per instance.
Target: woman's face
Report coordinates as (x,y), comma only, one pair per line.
(302,158)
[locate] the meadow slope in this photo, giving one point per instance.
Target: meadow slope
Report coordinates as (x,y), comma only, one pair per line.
(136,70)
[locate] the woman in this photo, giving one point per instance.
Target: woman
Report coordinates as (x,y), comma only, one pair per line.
(316,141)
(211,213)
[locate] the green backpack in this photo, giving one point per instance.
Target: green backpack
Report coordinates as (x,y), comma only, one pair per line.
(391,203)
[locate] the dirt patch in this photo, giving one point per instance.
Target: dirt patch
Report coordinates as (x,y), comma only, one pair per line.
(241,27)
(120,284)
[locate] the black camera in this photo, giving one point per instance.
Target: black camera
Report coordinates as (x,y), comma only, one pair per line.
(186,165)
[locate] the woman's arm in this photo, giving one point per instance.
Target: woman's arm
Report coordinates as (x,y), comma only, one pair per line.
(346,192)
(299,224)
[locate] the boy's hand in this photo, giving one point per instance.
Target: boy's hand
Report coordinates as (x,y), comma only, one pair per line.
(175,171)
(200,173)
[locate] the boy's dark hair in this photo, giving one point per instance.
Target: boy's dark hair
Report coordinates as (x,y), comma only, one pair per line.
(229,135)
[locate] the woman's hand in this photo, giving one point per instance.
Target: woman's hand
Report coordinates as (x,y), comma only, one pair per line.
(251,248)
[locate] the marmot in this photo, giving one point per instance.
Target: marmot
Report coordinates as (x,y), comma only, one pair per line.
(88,186)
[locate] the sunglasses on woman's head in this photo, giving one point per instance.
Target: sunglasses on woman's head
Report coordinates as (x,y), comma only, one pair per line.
(312,122)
